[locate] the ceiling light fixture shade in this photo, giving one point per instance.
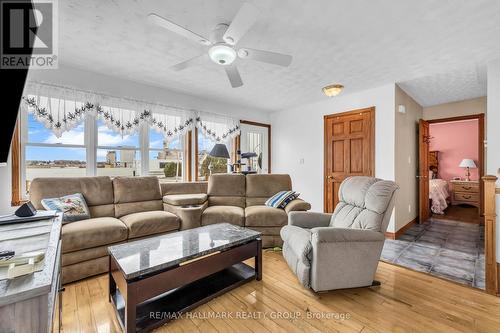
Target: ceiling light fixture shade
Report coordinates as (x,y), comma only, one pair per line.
(222,54)
(333,90)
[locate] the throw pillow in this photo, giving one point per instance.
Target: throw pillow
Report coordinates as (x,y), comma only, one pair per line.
(281,198)
(289,199)
(73,207)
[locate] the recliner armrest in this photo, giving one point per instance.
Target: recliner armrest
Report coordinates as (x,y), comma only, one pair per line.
(309,219)
(332,235)
(297,205)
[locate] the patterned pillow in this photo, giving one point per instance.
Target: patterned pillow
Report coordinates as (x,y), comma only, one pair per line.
(73,206)
(289,199)
(281,199)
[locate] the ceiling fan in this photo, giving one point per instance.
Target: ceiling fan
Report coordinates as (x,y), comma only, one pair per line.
(222,43)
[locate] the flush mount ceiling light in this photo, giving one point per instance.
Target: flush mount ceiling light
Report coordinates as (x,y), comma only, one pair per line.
(222,54)
(333,90)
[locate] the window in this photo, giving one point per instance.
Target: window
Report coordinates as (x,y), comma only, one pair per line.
(63,132)
(207,164)
(45,155)
(166,157)
(93,147)
(117,154)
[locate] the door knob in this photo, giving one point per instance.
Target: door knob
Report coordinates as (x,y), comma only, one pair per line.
(329,177)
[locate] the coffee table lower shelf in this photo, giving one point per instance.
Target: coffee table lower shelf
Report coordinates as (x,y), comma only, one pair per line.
(168,306)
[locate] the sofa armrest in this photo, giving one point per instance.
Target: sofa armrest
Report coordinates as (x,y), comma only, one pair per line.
(335,235)
(297,205)
(309,219)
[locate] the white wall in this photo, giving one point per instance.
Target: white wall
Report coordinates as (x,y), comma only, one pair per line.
(406,158)
(493,132)
(298,135)
(90,81)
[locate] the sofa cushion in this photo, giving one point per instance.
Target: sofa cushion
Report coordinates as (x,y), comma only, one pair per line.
(93,232)
(150,223)
(259,188)
(226,185)
(264,216)
(97,191)
(127,208)
(219,214)
(135,189)
(185,199)
(266,185)
(183,187)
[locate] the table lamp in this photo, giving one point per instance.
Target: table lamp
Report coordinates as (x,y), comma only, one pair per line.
(219,150)
(467,163)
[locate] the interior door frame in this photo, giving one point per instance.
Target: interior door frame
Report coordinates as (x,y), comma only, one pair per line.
(371,110)
(481,149)
(268,126)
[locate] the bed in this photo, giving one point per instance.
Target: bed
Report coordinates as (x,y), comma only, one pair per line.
(438,188)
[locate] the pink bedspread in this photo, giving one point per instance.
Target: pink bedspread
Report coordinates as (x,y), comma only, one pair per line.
(438,193)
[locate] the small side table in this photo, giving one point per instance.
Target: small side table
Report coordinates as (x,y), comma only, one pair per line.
(465,192)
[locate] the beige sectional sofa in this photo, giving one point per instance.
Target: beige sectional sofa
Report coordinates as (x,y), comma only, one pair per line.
(121,209)
(128,208)
(236,199)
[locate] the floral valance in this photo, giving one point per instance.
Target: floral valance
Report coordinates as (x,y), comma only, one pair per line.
(62,109)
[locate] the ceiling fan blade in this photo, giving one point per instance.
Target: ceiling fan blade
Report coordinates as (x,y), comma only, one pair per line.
(234,76)
(242,22)
(266,56)
(164,23)
(187,63)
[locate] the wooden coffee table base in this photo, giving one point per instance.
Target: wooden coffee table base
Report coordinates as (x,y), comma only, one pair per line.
(150,301)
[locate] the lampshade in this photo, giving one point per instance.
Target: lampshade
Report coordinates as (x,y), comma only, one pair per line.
(467,163)
(219,150)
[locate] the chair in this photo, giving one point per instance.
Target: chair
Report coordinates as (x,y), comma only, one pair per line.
(341,250)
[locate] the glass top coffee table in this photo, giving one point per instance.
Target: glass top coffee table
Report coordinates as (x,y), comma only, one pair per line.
(154,280)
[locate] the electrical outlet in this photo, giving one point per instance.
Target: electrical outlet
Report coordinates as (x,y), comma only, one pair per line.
(409,208)
(409,159)
(301,161)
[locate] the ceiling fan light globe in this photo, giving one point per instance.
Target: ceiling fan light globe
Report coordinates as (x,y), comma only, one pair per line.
(222,54)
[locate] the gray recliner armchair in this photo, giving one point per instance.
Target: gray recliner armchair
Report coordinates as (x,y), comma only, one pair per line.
(341,250)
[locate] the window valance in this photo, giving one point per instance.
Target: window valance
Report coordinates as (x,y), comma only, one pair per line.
(61,109)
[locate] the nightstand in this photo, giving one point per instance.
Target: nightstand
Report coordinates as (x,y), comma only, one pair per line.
(465,192)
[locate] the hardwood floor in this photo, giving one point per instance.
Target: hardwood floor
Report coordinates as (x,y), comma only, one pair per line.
(459,213)
(407,301)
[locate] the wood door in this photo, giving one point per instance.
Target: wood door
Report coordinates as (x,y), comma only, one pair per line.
(423,170)
(349,150)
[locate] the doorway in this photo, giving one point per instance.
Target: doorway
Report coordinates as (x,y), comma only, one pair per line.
(255,139)
(451,164)
(349,143)
(448,242)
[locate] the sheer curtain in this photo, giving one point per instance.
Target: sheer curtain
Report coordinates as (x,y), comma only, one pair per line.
(217,127)
(61,109)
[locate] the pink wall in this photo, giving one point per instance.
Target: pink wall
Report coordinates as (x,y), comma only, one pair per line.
(455,141)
